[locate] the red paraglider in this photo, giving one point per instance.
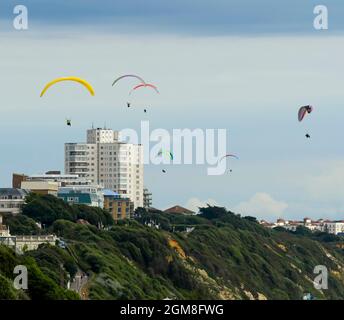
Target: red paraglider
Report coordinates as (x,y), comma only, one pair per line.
(143,85)
(303,111)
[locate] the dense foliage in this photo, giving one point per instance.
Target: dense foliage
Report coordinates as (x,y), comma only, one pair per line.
(215,255)
(40,285)
(47,209)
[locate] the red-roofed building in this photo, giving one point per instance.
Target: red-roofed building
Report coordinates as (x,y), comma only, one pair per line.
(179,210)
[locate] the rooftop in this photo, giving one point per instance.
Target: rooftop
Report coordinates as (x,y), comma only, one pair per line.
(110,193)
(13,192)
(179,209)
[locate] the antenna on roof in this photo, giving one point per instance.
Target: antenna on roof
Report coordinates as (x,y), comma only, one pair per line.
(92,126)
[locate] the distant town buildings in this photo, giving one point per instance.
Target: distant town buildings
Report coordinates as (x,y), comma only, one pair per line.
(332,227)
(107,161)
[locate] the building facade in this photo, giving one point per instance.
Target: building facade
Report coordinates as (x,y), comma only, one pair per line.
(41,187)
(333,227)
(23,243)
(88,195)
(12,200)
(62,180)
(108,162)
(147,198)
(118,206)
(27,243)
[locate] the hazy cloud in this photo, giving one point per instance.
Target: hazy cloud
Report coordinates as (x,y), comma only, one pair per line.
(327,186)
(262,205)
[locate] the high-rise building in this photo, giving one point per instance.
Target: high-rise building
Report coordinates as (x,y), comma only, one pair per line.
(107,161)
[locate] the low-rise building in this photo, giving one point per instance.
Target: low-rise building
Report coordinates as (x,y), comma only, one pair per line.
(180,210)
(88,195)
(333,227)
(41,187)
(27,243)
(63,180)
(23,243)
(12,200)
(118,206)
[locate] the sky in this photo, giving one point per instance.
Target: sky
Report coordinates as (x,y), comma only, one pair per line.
(245,66)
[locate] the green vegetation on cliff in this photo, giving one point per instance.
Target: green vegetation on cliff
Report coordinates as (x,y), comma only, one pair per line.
(215,255)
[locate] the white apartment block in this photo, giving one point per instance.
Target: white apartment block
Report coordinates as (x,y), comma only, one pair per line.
(12,200)
(107,161)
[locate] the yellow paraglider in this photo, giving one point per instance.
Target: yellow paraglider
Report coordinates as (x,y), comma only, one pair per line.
(76,79)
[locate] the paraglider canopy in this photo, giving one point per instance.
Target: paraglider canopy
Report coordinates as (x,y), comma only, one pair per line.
(129,76)
(228,156)
(303,111)
(167,153)
(144,85)
(75,79)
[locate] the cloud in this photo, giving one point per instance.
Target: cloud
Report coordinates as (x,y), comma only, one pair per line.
(194,204)
(263,206)
(329,185)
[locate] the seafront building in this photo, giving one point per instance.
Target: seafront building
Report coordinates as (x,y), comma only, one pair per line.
(106,161)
